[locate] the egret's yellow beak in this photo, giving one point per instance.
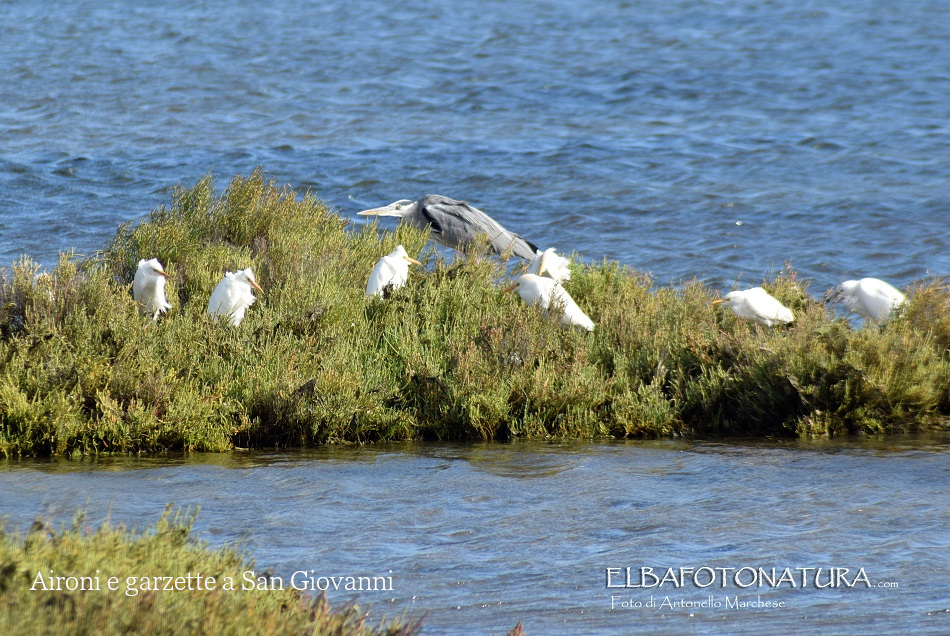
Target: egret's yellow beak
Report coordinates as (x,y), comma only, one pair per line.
(510,289)
(161,272)
(412,260)
(719,302)
(256,286)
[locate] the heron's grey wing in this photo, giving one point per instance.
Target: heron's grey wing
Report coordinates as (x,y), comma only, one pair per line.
(521,247)
(424,217)
(456,223)
(460,223)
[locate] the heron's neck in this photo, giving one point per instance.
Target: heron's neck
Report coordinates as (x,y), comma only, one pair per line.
(407,210)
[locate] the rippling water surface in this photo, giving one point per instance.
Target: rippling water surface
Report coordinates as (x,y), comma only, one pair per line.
(481,537)
(716,139)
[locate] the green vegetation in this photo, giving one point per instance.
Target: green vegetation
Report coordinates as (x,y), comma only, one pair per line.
(87,605)
(449,356)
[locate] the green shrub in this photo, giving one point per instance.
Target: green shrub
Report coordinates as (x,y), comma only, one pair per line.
(35,597)
(448,356)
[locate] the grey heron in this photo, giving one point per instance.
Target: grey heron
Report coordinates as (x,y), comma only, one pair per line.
(455,223)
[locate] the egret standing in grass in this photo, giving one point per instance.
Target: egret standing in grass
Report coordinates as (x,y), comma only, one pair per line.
(455,224)
(545,292)
(869,297)
(233,295)
(148,288)
(757,305)
(391,271)
(548,261)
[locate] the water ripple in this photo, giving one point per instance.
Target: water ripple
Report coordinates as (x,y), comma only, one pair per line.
(489,535)
(821,128)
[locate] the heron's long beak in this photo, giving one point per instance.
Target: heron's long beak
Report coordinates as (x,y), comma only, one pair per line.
(161,272)
(387,210)
(412,260)
(832,294)
(256,286)
(510,289)
(720,301)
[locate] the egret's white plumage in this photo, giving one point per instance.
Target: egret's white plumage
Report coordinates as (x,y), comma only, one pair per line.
(391,270)
(757,305)
(545,292)
(870,297)
(148,288)
(233,295)
(550,263)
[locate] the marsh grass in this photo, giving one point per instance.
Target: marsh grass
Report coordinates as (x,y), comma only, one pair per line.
(448,356)
(165,550)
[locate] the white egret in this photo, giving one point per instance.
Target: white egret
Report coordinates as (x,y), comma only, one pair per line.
(757,305)
(869,297)
(148,288)
(233,295)
(391,270)
(549,261)
(544,292)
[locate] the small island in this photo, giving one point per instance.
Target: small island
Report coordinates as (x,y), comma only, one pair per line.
(447,356)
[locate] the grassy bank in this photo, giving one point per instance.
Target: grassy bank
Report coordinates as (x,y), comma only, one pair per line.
(58,582)
(447,357)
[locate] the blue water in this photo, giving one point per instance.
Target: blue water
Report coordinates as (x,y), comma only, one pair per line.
(480,537)
(717,139)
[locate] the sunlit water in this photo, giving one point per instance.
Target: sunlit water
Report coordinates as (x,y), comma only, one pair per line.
(684,137)
(480,537)
(716,139)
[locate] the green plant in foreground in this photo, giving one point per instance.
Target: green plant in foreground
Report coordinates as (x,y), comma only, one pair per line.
(447,356)
(57,582)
